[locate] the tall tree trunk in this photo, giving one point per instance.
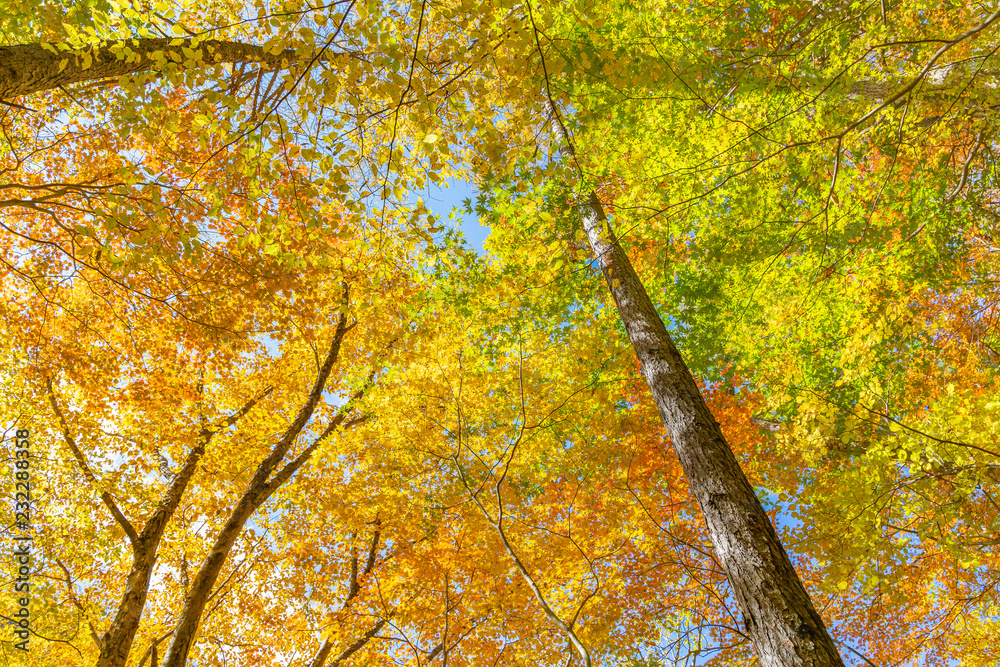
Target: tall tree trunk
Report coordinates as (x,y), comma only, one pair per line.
(778,615)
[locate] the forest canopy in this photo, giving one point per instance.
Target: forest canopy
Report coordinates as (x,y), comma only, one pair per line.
(721,389)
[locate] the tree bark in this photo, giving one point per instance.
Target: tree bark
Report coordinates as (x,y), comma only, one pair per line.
(778,614)
(116,644)
(324,650)
(261,487)
(29,68)
(117,641)
(319,660)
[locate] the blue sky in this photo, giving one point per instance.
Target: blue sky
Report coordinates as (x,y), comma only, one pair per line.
(442,200)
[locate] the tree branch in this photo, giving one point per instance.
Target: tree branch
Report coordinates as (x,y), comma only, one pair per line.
(519,565)
(31,68)
(106,497)
(76,602)
(923,72)
(258,491)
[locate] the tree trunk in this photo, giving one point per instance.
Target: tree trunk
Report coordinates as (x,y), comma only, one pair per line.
(778,615)
(117,641)
(324,650)
(261,487)
(319,660)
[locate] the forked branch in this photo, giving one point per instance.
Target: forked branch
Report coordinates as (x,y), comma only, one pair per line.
(106,497)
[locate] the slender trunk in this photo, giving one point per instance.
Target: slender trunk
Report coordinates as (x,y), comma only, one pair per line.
(117,641)
(322,654)
(324,650)
(259,490)
(778,614)
(564,627)
(29,68)
(319,660)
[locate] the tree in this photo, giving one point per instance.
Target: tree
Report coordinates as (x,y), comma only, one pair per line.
(854,189)
(645,196)
(778,613)
(131,401)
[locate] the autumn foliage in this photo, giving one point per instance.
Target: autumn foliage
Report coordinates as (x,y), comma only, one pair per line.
(282,414)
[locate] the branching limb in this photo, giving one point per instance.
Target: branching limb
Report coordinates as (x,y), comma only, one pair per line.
(965,167)
(324,651)
(357,645)
(106,497)
(920,75)
(519,565)
(76,602)
(338,421)
(150,653)
(260,488)
(373,551)
(444,648)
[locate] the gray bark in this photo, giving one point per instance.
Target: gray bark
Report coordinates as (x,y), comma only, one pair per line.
(779,616)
